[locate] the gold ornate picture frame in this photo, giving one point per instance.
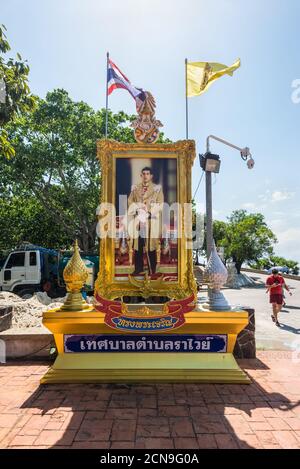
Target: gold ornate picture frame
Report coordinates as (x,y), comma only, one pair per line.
(109,152)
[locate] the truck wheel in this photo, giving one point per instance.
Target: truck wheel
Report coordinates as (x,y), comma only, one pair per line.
(47,286)
(25,294)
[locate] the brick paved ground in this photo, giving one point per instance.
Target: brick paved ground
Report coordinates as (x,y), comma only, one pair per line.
(265,414)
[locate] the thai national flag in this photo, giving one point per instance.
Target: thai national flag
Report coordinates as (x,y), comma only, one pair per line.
(117,79)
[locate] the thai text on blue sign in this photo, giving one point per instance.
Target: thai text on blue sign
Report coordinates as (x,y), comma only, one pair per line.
(75,343)
(146,324)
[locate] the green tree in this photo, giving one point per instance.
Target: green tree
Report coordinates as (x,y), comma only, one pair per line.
(23,218)
(246,237)
(272,261)
(219,232)
(262,264)
(281,261)
(55,167)
(15,96)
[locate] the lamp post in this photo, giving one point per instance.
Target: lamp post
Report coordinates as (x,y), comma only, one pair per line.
(210,163)
(216,271)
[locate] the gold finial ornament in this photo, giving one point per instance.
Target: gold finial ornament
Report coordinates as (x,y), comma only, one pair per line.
(146,126)
(75,275)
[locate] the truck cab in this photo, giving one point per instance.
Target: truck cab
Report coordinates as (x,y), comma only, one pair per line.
(27,269)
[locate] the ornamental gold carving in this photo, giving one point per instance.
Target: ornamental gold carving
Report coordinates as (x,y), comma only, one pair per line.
(108,151)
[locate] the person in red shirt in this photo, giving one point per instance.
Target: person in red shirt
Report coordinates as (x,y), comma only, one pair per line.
(275,284)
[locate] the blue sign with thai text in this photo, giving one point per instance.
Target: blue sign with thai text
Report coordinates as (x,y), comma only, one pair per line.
(75,343)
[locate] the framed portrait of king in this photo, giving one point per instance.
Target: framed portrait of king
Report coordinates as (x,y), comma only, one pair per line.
(144,220)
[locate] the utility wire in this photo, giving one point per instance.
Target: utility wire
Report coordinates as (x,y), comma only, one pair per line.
(198,185)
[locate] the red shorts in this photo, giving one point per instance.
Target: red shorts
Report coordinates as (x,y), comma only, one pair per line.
(276,298)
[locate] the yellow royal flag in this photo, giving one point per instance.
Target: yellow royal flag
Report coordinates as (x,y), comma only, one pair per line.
(200,75)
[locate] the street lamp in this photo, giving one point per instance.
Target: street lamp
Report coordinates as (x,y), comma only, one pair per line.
(210,163)
(216,270)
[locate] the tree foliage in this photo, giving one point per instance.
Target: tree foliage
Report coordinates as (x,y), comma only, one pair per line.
(15,96)
(272,261)
(23,218)
(245,237)
(219,231)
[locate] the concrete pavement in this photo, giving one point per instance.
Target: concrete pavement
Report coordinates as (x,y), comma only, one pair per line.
(269,336)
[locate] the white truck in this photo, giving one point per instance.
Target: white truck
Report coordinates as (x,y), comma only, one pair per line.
(29,269)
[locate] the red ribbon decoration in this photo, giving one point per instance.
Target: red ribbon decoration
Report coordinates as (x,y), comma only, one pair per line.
(175,310)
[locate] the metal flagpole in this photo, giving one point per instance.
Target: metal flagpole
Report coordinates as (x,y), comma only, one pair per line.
(106,105)
(186,104)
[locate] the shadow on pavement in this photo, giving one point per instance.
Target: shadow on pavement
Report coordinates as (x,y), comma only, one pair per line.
(285,327)
(162,416)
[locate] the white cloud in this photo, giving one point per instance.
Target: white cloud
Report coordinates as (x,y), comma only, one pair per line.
(249,206)
(278,196)
(288,237)
(289,243)
(290,234)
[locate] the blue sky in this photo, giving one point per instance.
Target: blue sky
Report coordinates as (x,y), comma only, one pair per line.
(65,43)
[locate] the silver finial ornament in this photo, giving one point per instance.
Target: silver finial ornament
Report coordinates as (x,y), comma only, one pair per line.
(216,275)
